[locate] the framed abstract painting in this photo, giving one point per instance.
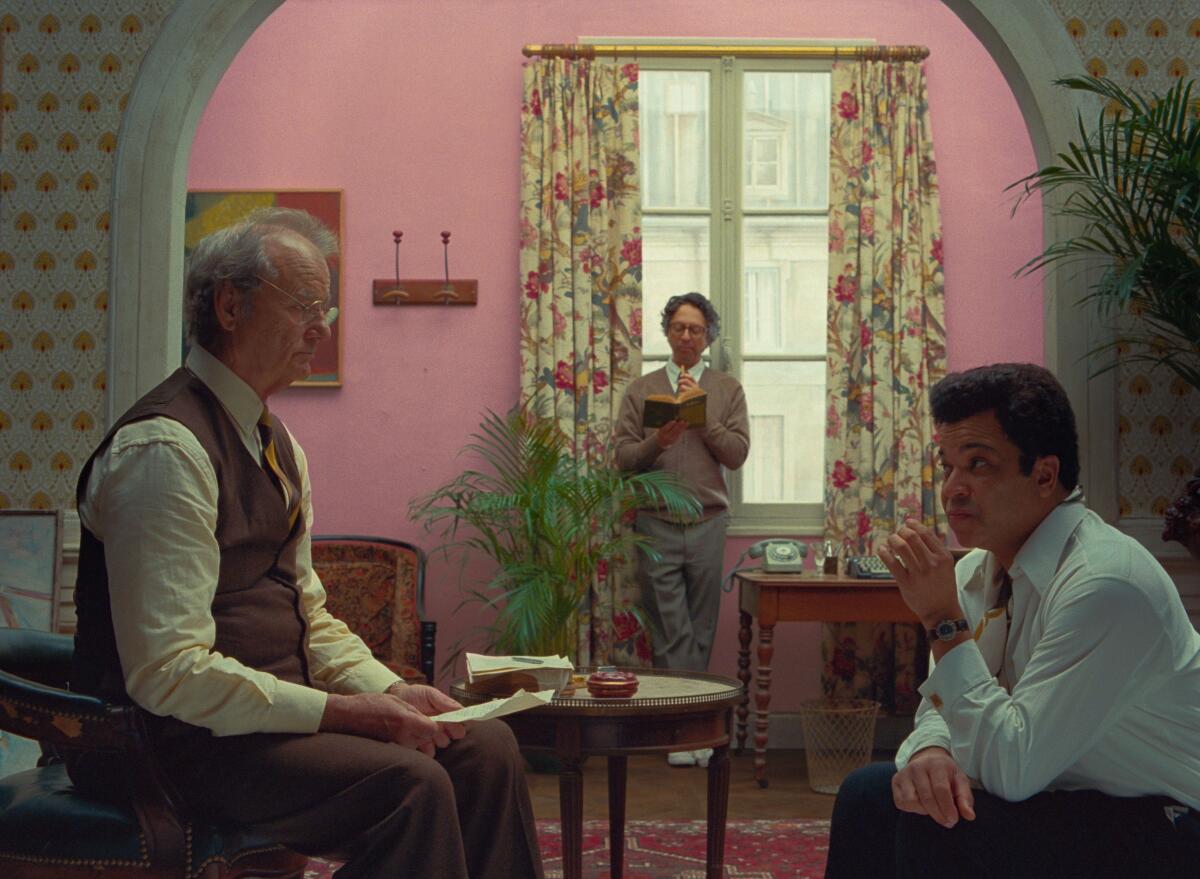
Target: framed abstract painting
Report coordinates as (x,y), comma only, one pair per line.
(208,210)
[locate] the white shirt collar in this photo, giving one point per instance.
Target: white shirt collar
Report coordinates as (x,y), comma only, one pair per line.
(673,373)
(239,399)
(1038,557)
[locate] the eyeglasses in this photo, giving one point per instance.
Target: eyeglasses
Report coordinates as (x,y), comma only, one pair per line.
(310,312)
(678,329)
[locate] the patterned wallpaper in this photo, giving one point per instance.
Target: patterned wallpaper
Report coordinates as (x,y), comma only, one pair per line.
(68,66)
(1147,45)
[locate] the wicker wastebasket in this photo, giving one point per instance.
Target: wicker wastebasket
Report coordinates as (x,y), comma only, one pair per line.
(838,738)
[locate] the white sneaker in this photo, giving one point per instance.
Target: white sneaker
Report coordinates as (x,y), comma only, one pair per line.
(702,756)
(683,758)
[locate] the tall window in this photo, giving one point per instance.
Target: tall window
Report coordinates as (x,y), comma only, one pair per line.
(735,164)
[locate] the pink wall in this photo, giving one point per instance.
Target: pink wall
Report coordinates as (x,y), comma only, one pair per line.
(412,110)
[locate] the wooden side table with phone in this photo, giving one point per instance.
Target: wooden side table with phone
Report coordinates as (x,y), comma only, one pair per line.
(769,598)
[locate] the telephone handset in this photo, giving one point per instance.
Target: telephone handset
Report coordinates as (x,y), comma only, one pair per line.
(779,556)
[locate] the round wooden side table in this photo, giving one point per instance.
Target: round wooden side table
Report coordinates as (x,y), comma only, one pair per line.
(671,711)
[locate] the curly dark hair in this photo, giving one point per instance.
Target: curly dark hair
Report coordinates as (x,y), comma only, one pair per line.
(1028,401)
(696,300)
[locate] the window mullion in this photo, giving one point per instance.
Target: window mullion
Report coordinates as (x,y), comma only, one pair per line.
(723,163)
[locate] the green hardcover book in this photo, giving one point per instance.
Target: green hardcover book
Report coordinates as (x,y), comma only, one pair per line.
(660,409)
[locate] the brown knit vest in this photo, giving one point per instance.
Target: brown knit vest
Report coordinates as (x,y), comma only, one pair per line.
(257,608)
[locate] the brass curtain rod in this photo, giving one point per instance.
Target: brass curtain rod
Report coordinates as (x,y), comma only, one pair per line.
(869,52)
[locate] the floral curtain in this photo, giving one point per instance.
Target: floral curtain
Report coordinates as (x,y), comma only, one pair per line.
(581,281)
(886,349)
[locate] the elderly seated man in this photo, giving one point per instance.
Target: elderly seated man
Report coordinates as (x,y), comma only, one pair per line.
(197,601)
(1059,733)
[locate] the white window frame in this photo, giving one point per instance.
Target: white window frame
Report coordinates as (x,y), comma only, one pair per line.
(725,210)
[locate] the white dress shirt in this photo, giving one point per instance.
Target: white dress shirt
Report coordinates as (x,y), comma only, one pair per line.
(1105,665)
(152,501)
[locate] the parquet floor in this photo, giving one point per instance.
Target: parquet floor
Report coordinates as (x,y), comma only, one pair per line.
(655,790)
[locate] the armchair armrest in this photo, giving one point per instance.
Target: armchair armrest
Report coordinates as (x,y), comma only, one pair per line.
(70,720)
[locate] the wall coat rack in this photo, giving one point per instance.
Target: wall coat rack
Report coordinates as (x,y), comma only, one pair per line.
(419,291)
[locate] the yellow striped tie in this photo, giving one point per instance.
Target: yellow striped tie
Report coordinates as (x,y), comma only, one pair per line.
(291,497)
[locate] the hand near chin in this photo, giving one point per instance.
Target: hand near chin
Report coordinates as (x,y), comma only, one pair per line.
(924,571)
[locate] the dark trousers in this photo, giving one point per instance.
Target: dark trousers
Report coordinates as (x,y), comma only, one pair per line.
(1058,835)
(388,811)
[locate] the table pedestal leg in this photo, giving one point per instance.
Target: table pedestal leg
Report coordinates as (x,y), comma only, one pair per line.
(570,802)
(762,701)
(616,814)
(743,673)
(718,807)
(570,796)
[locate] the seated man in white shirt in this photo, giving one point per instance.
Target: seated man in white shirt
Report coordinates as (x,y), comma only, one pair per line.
(196,600)
(1059,733)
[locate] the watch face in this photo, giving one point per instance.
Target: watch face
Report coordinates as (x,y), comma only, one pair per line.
(947,629)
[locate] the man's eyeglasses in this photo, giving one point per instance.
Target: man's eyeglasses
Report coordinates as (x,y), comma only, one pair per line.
(687,329)
(310,312)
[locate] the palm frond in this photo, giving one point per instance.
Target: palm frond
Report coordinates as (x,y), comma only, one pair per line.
(1132,178)
(546,522)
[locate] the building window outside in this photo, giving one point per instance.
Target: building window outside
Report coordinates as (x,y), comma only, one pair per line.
(735,164)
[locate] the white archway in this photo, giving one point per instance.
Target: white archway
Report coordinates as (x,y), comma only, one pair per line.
(199,40)
(177,77)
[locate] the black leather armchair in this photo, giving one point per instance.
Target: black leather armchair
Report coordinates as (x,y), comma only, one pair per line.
(48,830)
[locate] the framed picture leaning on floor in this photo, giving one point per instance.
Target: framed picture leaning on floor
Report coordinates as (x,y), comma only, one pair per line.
(30,570)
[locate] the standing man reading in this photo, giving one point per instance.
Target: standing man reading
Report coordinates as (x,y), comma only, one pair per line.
(1059,733)
(681,591)
(197,601)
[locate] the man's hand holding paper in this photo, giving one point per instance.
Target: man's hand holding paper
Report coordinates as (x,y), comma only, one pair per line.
(518,701)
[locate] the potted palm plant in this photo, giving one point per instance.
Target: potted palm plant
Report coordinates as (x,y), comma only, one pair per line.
(548,523)
(1132,183)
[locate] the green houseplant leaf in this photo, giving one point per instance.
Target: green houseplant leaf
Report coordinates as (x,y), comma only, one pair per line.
(546,521)
(1133,181)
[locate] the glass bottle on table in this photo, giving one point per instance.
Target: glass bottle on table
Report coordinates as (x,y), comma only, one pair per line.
(818,554)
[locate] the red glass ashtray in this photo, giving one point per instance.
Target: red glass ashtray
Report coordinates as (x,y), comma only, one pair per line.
(612,684)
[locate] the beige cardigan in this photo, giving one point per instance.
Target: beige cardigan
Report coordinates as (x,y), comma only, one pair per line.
(699,455)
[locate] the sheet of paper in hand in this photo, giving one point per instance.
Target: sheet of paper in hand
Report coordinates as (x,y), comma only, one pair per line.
(690,406)
(518,701)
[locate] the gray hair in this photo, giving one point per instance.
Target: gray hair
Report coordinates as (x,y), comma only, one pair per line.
(238,254)
(696,300)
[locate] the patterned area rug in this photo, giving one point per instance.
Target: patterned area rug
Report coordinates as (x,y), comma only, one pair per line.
(781,849)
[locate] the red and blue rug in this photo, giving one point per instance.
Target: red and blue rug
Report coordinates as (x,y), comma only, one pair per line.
(776,849)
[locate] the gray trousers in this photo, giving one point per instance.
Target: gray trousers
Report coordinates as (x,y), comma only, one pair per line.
(681,592)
